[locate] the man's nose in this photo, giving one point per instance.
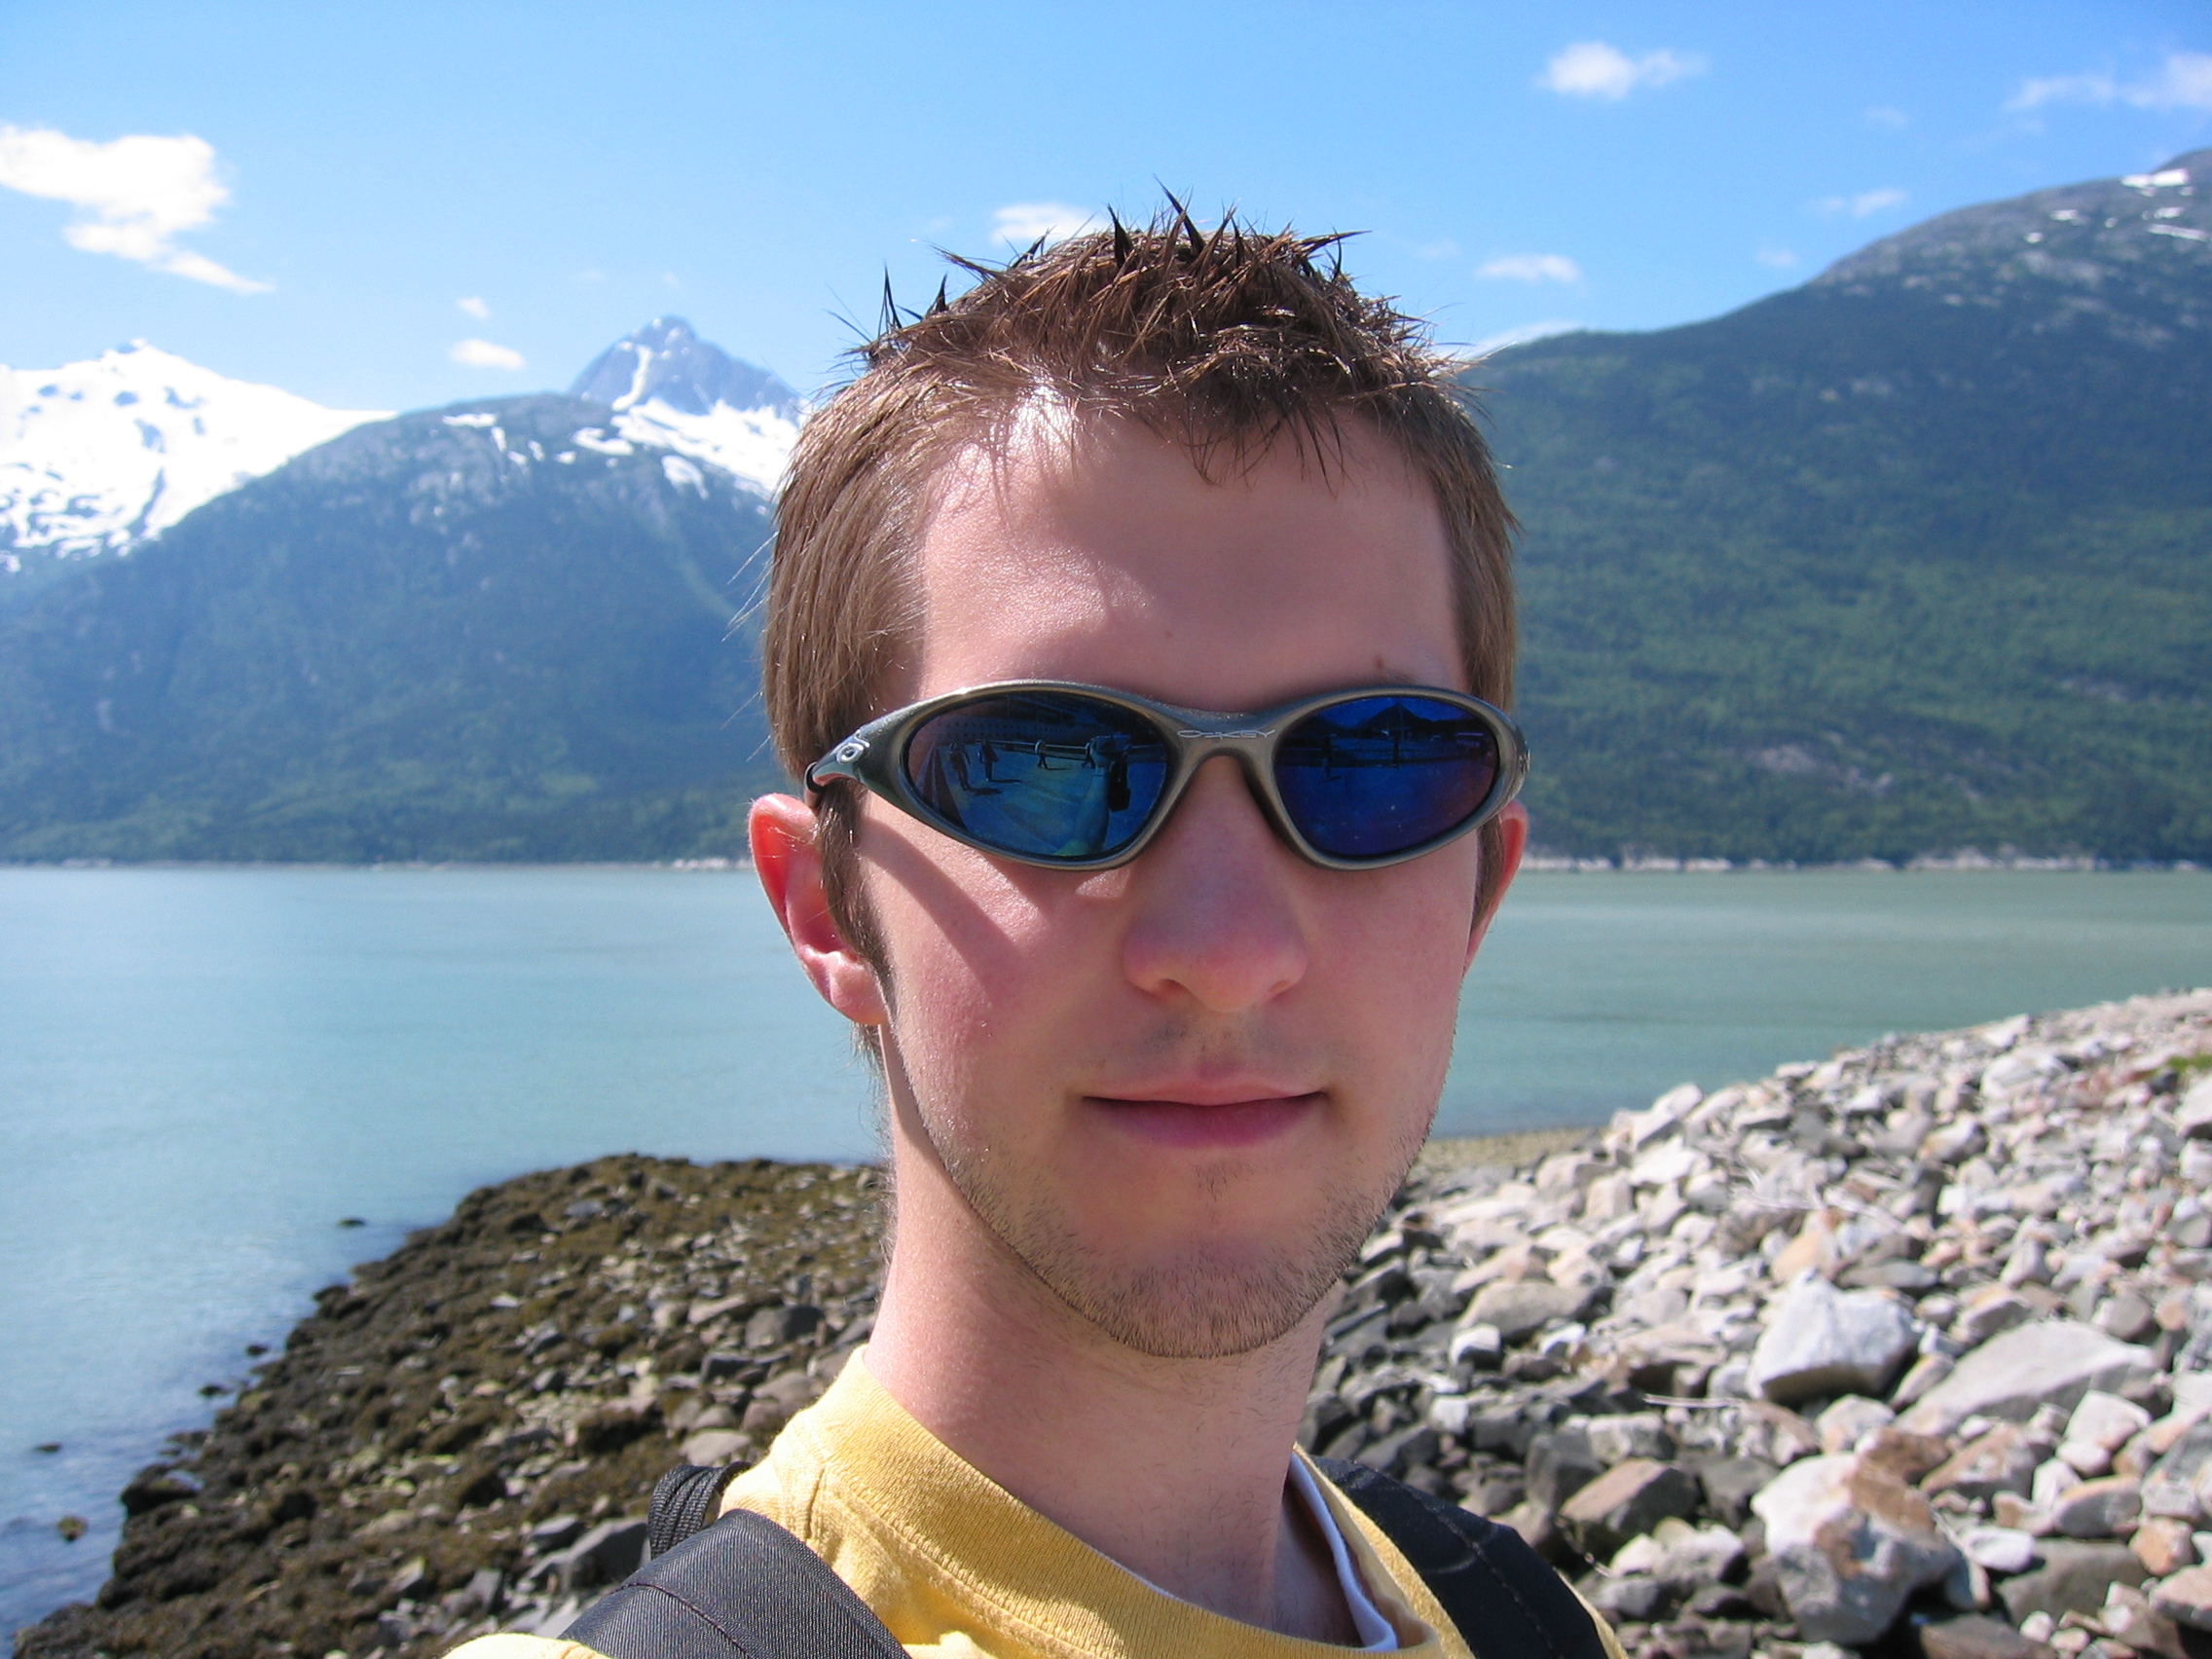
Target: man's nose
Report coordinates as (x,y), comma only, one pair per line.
(1215,903)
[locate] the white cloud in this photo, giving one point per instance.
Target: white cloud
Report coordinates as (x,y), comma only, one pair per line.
(1888,117)
(133,196)
(2184,81)
(1521,336)
(1780,258)
(1597,69)
(1444,248)
(475,306)
(1531,267)
(483,355)
(1023,223)
(2034,93)
(1863,205)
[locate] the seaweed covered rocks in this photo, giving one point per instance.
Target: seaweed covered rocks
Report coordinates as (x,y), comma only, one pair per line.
(463,1437)
(1913,1346)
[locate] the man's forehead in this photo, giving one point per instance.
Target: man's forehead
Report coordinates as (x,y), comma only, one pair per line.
(1044,442)
(1101,550)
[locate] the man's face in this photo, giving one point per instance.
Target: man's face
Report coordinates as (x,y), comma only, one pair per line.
(1181,1090)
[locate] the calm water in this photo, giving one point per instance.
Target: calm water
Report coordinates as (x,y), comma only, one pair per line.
(201,1072)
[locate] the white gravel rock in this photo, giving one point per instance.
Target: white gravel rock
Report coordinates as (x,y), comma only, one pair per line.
(1850,1420)
(1479,1345)
(2107,1508)
(2085,1457)
(2052,1481)
(2105,1421)
(2194,1118)
(1999,1549)
(1639,1434)
(2052,1362)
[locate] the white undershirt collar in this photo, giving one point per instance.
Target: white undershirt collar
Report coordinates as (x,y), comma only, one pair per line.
(1377,1634)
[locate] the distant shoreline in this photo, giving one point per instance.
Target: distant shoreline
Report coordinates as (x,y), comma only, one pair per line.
(1549,863)
(1970,860)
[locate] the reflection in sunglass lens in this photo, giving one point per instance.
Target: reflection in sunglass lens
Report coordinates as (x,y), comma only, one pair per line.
(1042,774)
(1374,776)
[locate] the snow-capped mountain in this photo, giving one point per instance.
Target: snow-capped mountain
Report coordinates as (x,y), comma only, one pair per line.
(457,619)
(670,389)
(98,456)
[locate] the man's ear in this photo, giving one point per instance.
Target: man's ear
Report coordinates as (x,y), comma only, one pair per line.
(787,859)
(1512,843)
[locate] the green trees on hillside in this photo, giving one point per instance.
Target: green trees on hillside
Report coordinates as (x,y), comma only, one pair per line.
(1843,576)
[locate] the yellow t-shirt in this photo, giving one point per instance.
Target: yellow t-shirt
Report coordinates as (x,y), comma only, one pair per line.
(960,1568)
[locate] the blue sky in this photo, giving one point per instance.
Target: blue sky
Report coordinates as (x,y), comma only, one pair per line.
(374,188)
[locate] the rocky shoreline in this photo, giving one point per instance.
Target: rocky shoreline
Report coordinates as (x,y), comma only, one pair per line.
(1909,1351)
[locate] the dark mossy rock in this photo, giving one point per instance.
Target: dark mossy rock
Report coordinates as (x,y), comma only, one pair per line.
(445,1431)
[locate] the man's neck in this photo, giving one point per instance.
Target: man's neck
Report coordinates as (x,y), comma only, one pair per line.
(1173,1468)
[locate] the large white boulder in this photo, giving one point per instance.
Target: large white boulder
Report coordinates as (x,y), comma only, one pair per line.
(1851,1544)
(1822,1341)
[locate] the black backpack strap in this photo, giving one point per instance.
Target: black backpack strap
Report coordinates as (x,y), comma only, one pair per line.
(1506,1601)
(688,1500)
(742,1587)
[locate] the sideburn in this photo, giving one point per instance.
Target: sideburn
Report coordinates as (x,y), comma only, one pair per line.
(836,844)
(1490,837)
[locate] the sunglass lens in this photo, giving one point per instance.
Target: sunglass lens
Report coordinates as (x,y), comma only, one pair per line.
(1374,776)
(1042,775)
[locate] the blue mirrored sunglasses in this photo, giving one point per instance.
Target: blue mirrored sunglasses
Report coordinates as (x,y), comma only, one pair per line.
(1081,777)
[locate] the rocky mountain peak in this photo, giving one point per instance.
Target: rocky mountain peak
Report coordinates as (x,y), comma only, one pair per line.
(666,362)
(2135,252)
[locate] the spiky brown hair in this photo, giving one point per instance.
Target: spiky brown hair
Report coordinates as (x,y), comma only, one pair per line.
(1228,343)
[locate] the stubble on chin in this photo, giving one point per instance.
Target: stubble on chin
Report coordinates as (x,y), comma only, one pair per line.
(1203,1301)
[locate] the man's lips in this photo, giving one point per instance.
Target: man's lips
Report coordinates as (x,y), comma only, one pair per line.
(1197,1089)
(1215,1116)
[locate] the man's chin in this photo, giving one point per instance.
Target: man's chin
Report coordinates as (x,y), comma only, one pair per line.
(1219,1274)
(1194,1310)
(1197,1301)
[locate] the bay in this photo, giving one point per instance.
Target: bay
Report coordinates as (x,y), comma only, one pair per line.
(1601,990)
(204,1071)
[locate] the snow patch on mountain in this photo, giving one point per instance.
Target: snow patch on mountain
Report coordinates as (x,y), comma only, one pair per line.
(97,457)
(755,445)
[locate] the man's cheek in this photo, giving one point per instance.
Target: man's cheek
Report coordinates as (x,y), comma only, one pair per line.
(1414,945)
(1404,978)
(946,1028)
(968,1033)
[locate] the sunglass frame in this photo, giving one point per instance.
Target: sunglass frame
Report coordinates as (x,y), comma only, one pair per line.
(874,757)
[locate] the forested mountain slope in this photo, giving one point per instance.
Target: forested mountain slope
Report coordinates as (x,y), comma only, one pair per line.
(1915,556)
